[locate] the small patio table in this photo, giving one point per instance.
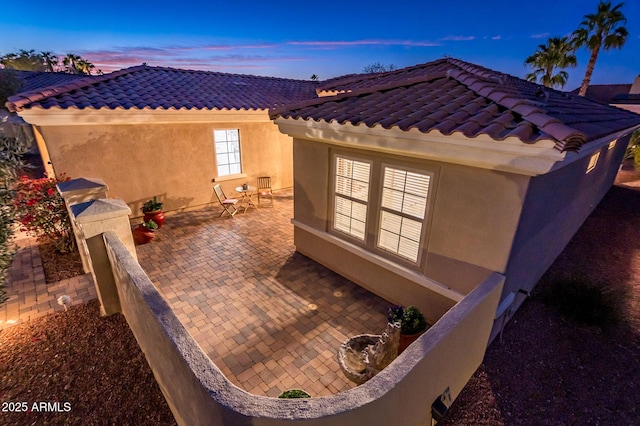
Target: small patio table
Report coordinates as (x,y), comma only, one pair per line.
(247,194)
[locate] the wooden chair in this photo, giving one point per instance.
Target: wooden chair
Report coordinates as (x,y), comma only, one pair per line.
(228,204)
(264,190)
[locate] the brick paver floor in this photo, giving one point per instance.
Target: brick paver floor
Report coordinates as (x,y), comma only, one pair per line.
(270,318)
(29,296)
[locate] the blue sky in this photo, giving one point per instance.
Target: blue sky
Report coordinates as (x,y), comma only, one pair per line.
(298,39)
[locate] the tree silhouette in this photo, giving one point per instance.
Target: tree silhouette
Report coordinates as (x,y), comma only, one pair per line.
(557,53)
(602,30)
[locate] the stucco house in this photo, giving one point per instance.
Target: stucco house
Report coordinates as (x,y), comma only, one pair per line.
(170,133)
(419,183)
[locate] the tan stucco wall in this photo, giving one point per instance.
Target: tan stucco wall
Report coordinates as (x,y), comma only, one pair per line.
(174,162)
(474,214)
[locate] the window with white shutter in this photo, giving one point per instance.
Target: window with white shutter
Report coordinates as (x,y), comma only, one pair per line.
(403,210)
(351,196)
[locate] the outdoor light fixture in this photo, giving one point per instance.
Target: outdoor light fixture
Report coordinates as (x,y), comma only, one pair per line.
(440,407)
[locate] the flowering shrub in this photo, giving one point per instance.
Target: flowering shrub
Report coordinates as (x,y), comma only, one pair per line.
(42,213)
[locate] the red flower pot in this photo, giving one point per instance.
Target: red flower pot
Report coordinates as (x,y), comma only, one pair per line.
(157,216)
(143,235)
(406,340)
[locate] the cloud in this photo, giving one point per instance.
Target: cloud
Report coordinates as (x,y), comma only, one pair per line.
(217,56)
(458,38)
(193,57)
(540,35)
(366,42)
(498,37)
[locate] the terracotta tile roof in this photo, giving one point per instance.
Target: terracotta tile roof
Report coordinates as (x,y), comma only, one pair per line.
(454,96)
(164,88)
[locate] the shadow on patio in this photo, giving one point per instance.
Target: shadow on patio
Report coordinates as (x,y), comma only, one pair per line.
(271,319)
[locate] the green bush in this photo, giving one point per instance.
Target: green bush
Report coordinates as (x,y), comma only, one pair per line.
(294,393)
(582,301)
(411,320)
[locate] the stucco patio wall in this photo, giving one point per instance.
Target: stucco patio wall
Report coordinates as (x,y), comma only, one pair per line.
(198,393)
(173,161)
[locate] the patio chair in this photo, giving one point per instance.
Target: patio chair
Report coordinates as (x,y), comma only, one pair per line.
(228,204)
(264,190)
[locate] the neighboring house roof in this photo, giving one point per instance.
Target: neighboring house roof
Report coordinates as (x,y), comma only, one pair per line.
(453,96)
(145,87)
(604,92)
(38,79)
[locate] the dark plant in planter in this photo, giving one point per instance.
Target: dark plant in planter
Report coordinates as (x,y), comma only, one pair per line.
(150,224)
(152,206)
(412,324)
(152,210)
(294,393)
(411,319)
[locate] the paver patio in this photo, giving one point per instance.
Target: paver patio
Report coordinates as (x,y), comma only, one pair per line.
(269,318)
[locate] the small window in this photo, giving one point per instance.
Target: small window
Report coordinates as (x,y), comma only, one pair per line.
(612,144)
(402,213)
(351,197)
(227,146)
(593,161)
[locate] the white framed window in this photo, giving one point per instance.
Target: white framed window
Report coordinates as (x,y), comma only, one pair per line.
(351,196)
(227,147)
(593,161)
(403,209)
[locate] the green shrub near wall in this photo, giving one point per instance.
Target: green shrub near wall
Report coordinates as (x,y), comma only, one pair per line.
(11,152)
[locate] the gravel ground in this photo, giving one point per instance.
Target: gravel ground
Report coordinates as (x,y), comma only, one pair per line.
(549,368)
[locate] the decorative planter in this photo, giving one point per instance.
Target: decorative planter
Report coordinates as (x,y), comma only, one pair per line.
(406,340)
(157,216)
(143,235)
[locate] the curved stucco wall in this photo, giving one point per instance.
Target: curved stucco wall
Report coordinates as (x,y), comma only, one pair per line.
(199,394)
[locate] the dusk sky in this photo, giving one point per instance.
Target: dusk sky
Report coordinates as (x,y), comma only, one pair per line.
(297,39)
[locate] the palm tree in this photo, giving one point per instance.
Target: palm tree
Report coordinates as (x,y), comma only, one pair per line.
(71,63)
(557,53)
(75,64)
(24,60)
(84,66)
(50,61)
(600,30)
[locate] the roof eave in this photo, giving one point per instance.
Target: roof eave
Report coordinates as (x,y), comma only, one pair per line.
(56,116)
(509,155)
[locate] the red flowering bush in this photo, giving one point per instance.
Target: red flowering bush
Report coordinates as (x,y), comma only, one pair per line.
(42,213)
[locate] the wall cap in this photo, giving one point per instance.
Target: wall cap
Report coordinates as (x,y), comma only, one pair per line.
(96,210)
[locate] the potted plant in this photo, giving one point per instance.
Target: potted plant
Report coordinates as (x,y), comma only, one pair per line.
(412,324)
(294,393)
(145,232)
(152,210)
